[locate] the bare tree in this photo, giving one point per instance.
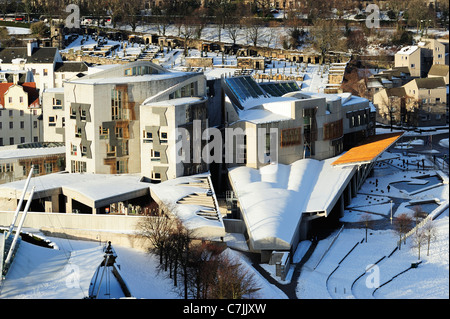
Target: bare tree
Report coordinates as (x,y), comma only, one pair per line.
(418,213)
(418,240)
(253,27)
(367,221)
(402,225)
(232,281)
(233,30)
(430,233)
(157,230)
(325,36)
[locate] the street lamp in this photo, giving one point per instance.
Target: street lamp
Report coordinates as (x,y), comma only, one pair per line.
(391,211)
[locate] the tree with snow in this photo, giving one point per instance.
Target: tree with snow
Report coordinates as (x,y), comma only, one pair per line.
(402,225)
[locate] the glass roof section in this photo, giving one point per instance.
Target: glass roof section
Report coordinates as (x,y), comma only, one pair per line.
(279,88)
(244,87)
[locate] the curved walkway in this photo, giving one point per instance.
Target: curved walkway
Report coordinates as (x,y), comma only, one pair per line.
(290,288)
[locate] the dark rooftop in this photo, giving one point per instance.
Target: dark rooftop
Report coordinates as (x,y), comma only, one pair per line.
(39,55)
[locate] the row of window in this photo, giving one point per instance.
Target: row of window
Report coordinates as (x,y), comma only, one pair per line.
(12,141)
(22,125)
(21,112)
(148,137)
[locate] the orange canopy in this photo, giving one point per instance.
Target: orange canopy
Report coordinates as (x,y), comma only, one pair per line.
(371,149)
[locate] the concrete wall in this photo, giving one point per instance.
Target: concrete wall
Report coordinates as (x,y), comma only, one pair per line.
(118,229)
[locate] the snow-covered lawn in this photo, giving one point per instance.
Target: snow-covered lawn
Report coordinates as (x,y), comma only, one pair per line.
(336,277)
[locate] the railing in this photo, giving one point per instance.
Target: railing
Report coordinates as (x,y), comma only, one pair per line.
(435,213)
(331,244)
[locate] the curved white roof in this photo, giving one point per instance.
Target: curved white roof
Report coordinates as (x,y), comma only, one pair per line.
(273,198)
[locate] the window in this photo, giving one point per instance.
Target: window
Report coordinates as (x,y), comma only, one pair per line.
(83,115)
(10,101)
(22,140)
(1,141)
(48,168)
(1,125)
(155,155)
(21,99)
(413,65)
(163,137)
(51,121)
(45,72)
(11,125)
(78,167)
(10,113)
(34,124)
(122,166)
(291,137)
(22,125)
(83,150)
(11,141)
(147,136)
(73,113)
(73,151)
(117,113)
(104,133)
(110,150)
(156,176)
(119,132)
(57,103)
(77,131)
(21,112)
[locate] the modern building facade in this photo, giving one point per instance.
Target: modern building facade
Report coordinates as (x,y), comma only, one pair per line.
(103,129)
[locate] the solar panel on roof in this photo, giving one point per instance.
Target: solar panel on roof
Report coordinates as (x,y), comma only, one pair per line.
(245,87)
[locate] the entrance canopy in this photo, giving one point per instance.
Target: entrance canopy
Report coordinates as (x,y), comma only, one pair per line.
(365,153)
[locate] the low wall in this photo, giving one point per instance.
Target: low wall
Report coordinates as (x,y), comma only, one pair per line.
(119,229)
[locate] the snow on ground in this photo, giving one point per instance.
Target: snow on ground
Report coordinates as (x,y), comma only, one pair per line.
(43,273)
(341,273)
(336,277)
(17,30)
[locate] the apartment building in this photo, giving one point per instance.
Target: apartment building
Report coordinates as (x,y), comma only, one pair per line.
(20,113)
(40,61)
(420,102)
(419,58)
(413,58)
(429,98)
(435,49)
(102,113)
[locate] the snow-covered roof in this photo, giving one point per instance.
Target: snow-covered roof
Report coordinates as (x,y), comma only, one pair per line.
(16,153)
(97,190)
(176,102)
(128,79)
(193,200)
(408,49)
(274,197)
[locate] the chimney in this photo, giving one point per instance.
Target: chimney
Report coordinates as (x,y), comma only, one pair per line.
(30,46)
